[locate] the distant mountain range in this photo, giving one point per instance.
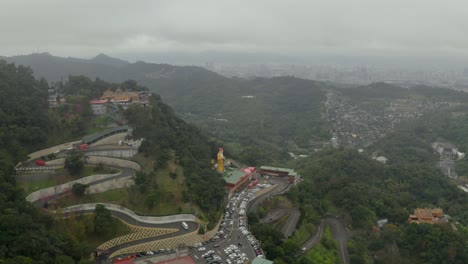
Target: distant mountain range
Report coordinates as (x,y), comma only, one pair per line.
(261,111)
(55,68)
(270,109)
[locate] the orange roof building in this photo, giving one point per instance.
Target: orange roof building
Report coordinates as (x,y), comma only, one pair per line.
(427,216)
(119,96)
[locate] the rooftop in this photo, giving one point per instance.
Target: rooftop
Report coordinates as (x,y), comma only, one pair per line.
(233,177)
(94,102)
(289,171)
(427,215)
(258,260)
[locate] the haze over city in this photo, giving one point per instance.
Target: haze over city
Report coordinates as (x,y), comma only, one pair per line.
(288,30)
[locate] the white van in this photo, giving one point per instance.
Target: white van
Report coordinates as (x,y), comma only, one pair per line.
(184,225)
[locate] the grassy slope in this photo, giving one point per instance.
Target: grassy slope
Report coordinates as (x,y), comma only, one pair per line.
(173,189)
(62,176)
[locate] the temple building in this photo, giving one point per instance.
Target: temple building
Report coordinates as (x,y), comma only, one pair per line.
(121,96)
(428,216)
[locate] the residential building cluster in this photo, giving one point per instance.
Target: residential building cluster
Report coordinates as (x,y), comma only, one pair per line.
(448,154)
(350,74)
(54,98)
(358,124)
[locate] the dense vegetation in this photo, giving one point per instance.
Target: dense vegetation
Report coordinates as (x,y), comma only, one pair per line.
(362,191)
(325,252)
(73,118)
(29,234)
(283,113)
(26,233)
(280,114)
(167,137)
(23,111)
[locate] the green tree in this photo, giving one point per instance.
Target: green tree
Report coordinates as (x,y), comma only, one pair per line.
(79,189)
(75,163)
(103,221)
(64,260)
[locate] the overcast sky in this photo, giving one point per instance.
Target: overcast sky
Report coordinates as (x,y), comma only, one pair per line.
(85,28)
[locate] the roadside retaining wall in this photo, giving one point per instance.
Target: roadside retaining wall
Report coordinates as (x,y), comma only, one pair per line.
(264,191)
(47,151)
(114,162)
(56,162)
(94,160)
(118,153)
(143,219)
(66,187)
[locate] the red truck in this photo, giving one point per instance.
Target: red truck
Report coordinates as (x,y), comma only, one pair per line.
(83,146)
(40,163)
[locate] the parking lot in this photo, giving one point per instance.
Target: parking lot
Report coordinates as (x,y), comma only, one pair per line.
(232,244)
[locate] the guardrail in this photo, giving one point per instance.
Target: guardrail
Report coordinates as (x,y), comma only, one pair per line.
(130,213)
(41,168)
(66,187)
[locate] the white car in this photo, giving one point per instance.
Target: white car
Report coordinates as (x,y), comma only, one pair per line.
(202,249)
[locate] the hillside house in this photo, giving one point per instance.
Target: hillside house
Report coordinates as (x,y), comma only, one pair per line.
(99,107)
(447,151)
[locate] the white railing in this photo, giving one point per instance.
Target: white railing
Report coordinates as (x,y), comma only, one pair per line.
(130,213)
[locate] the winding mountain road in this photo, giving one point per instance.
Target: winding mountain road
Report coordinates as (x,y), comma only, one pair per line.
(102,258)
(339,233)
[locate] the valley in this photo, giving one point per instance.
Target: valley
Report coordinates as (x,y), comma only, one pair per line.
(362,154)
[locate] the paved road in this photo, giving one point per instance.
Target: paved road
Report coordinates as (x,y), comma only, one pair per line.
(282,187)
(291,223)
(274,215)
(177,225)
(340,235)
(126,172)
(232,236)
(316,238)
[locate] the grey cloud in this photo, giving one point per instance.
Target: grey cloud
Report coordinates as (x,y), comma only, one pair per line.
(84,28)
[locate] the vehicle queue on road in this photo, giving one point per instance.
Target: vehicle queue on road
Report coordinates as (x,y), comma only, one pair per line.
(234,225)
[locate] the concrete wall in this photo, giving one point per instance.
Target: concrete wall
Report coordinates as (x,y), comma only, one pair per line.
(56,162)
(66,187)
(63,188)
(144,219)
(118,153)
(113,184)
(47,151)
(107,161)
(113,162)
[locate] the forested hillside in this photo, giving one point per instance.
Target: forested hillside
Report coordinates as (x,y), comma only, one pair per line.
(262,113)
(26,233)
(168,137)
(27,123)
(259,119)
(346,183)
